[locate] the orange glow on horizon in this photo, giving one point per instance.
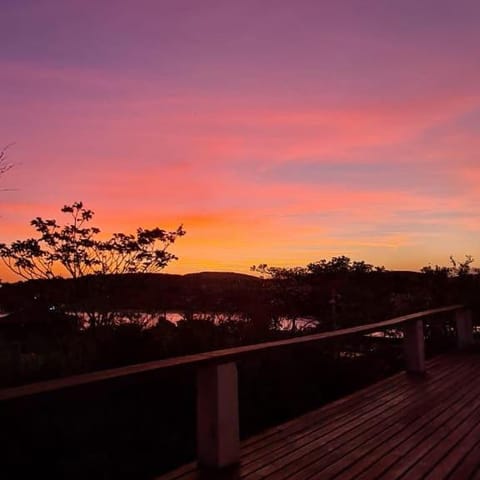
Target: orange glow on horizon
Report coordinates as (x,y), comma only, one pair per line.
(281,136)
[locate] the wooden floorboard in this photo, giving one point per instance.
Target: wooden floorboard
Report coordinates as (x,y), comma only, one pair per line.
(375,454)
(410,456)
(453,452)
(327,423)
(405,427)
(372,442)
(467,465)
(476,474)
(339,453)
(362,397)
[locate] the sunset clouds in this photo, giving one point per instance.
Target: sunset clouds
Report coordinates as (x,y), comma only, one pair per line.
(278,131)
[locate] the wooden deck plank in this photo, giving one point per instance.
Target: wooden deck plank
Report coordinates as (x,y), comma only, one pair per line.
(464,439)
(402,427)
(369,454)
(383,433)
(476,474)
(369,463)
(361,397)
(318,434)
(442,457)
(263,444)
(365,394)
(328,419)
(402,448)
(376,431)
(423,441)
(467,466)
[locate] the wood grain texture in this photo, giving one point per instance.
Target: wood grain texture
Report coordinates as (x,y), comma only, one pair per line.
(404,427)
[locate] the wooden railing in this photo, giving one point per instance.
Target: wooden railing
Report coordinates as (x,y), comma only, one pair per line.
(218,442)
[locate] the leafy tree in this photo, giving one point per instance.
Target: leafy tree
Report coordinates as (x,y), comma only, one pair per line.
(75,249)
(326,289)
(288,292)
(342,264)
(278,273)
(461,269)
(458,268)
(436,271)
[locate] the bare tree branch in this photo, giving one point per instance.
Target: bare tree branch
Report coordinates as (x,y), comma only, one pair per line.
(5,166)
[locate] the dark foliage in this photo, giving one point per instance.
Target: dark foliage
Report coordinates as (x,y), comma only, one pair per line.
(75,249)
(142,427)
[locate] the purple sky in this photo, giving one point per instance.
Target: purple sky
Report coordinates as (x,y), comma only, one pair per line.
(276,131)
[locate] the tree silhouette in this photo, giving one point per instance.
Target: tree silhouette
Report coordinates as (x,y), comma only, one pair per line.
(75,249)
(322,288)
(457,269)
(5,165)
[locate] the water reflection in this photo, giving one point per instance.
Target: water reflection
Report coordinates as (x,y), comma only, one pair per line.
(151,319)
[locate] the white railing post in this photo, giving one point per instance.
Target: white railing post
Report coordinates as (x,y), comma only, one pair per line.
(218,438)
(414,344)
(463,320)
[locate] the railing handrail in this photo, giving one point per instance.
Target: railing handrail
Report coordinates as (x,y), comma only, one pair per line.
(215,356)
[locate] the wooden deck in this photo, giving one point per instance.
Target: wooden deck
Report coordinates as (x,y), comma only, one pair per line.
(406,426)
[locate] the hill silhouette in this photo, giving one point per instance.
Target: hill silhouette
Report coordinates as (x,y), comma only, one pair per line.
(136,290)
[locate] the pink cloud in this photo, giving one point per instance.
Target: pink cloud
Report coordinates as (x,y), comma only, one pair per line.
(140,153)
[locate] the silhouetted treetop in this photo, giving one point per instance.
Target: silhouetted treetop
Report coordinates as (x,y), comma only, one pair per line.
(76,249)
(457,268)
(340,264)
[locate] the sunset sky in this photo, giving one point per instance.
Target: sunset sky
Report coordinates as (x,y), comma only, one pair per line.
(276,131)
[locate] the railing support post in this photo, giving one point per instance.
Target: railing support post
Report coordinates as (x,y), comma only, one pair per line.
(463,320)
(414,344)
(218,438)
